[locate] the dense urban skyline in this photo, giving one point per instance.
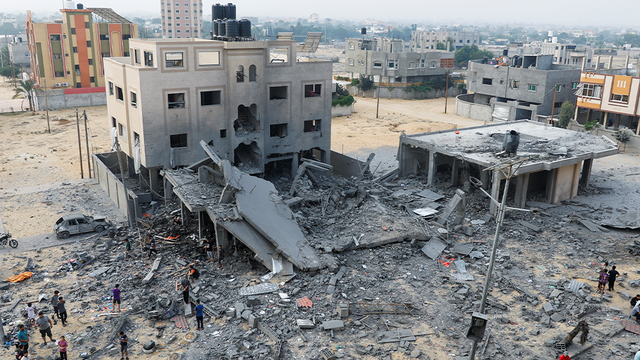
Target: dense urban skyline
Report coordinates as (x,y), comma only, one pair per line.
(588,13)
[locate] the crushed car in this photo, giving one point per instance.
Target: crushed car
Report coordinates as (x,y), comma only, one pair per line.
(78,224)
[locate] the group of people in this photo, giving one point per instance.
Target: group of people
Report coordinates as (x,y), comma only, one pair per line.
(607,277)
(44,325)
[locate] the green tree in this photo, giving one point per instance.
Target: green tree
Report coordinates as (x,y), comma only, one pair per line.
(8,28)
(365,83)
(580,40)
(441,46)
(566,113)
(466,53)
(25,88)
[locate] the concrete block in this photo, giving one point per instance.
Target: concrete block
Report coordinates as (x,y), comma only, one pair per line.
(253,321)
(331,289)
(148,278)
(557,317)
(239,309)
(187,310)
(555,293)
(343,310)
(333,280)
(333,325)
(548,308)
(245,314)
(156,263)
(253,301)
(305,324)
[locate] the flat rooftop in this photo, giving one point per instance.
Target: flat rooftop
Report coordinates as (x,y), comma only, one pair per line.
(550,147)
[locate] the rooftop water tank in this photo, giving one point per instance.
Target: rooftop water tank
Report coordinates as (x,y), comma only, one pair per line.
(222,28)
(245,28)
(231,11)
(233,28)
(218,12)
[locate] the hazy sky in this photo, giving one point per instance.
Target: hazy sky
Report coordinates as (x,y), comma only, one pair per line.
(585,13)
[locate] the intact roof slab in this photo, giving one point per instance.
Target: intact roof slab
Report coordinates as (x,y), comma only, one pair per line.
(479,144)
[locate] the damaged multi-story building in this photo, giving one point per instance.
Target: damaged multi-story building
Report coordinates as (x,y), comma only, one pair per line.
(253,102)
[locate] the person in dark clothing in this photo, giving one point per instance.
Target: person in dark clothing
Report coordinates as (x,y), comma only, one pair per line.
(152,247)
(612,277)
(62,311)
(221,255)
(54,303)
(194,274)
(184,287)
(634,300)
(604,278)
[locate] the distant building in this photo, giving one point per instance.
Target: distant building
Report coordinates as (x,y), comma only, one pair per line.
(610,96)
(387,58)
(563,54)
(69,53)
(424,40)
(521,88)
(19,52)
(253,102)
(181,19)
(313,18)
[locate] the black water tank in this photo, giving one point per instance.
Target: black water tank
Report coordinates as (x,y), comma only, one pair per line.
(511,142)
(217,12)
(222,28)
(363,31)
(233,28)
(231,11)
(245,28)
(80,6)
(216,27)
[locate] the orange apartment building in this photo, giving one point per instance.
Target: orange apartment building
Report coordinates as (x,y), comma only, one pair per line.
(68,53)
(611,96)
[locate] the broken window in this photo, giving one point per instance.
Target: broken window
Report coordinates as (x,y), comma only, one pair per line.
(514,84)
(208,58)
(312,90)
(277,93)
(173,59)
(178,141)
(240,74)
(148,58)
(113,122)
(134,99)
(558,87)
(278,55)
(110,88)
(223,133)
(278,130)
(352,46)
(54,37)
(592,91)
(247,121)
(122,131)
(176,101)
(311,125)
(392,64)
(487,81)
(119,94)
(619,97)
(210,98)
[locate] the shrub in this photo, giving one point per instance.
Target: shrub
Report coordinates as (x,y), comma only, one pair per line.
(345,100)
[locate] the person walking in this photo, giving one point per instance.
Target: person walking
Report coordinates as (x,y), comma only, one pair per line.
(124,343)
(31,313)
(116,297)
(613,274)
(127,248)
(23,338)
(565,356)
(62,311)
(62,346)
(44,325)
(209,248)
(54,303)
(199,315)
(604,277)
(221,255)
(152,247)
(184,287)
(193,274)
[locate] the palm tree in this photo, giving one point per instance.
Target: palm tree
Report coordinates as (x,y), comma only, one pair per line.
(26,88)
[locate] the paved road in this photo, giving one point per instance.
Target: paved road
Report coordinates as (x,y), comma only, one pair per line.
(44,241)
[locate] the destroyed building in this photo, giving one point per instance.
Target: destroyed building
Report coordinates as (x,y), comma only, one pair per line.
(528,87)
(253,102)
(559,160)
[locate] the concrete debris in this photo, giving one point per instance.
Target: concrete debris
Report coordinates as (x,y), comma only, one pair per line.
(425,212)
(258,289)
(333,325)
(457,204)
(461,249)
(434,248)
(383,337)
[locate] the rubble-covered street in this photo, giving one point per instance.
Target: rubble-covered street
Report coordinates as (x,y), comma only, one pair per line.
(380,297)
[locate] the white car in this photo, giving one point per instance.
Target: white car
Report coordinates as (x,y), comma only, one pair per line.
(77,224)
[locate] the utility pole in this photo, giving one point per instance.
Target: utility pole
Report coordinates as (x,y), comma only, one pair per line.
(79,144)
(380,79)
(446,92)
(512,167)
(86,138)
(46,104)
(553,105)
(124,186)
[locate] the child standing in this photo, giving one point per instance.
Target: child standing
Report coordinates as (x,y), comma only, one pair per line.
(62,344)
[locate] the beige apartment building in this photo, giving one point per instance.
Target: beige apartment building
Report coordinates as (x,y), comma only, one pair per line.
(181,19)
(253,102)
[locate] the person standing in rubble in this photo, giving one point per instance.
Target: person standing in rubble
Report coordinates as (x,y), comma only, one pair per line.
(31,313)
(23,338)
(221,255)
(199,315)
(152,246)
(604,278)
(62,347)
(184,286)
(127,248)
(565,356)
(613,274)
(44,325)
(116,297)
(193,274)
(209,248)
(124,343)
(62,311)
(54,304)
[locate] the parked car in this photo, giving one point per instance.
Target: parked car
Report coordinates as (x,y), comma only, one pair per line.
(77,224)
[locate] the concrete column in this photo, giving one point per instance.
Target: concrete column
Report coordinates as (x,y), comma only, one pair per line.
(616,122)
(485,179)
(199,224)
(596,58)
(550,192)
(603,117)
(168,190)
(455,169)
(589,112)
(522,186)
(638,127)
(184,213)
(405,159)
(495,191)
(222,236)
(154,181)
(294,164)
(586,173)
(576,179)
(610,62)
(432,167)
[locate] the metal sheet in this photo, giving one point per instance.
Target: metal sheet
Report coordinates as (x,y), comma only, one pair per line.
(575,286)
(428,194)
(462,249)
(433,248)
